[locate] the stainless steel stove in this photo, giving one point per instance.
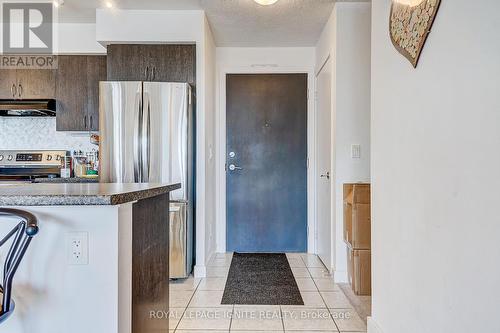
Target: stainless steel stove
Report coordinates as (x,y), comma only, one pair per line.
(26,165)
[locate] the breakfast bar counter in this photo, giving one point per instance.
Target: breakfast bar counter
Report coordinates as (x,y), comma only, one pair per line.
(59,194)
(100,261)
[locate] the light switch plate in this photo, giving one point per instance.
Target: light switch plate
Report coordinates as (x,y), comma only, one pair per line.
(355,151)
(210,152)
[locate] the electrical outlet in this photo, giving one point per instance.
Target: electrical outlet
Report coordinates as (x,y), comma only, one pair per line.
(355,151)
(77,245)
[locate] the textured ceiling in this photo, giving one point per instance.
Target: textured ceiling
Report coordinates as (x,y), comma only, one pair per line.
(286,23)
(233,22)
(75,11)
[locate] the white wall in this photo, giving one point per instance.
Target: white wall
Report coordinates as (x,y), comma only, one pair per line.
(346,39)
(53,296)
(153,26)
(262,57)
(77,38)
(210,183)
(435,164)
(259,60)
(72,38)
(178,26)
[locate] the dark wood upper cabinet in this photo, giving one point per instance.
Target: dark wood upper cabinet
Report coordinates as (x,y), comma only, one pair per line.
(36,83)
(175,64)
(8,83)
(27,83)
(96,71)
(166,63)
(77,92)
(71,93)
(126,63)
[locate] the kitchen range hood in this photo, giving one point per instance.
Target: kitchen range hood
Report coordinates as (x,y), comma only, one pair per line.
(27,107)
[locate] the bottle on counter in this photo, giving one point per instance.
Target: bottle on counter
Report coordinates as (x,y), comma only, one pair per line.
(66,167)
(79,164)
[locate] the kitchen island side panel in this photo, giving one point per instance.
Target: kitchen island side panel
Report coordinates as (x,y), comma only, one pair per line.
(150,264)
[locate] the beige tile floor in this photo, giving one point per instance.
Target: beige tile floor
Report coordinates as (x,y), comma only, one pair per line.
(195,304)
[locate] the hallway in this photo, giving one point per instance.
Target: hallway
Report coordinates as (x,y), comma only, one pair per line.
(195,304)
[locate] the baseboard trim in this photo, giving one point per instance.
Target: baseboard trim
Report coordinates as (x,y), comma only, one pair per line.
(200,271)
(373,327)
(340,277)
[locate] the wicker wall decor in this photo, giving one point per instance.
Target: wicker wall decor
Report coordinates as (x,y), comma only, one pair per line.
(410,24)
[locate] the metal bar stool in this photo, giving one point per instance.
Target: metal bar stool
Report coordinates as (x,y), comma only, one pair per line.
(22,234)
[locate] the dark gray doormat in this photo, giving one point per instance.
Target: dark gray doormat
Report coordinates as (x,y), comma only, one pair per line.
(261,279)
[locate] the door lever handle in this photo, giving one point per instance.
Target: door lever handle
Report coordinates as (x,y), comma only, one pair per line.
(327,175)
(233,167)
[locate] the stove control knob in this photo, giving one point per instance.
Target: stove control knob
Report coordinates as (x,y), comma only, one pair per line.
(1,157)
(9,158)
(49,157)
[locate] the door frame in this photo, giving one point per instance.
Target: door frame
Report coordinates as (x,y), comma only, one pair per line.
(220,143)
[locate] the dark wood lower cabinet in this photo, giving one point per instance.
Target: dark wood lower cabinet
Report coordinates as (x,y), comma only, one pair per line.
(77,91)
(150,265)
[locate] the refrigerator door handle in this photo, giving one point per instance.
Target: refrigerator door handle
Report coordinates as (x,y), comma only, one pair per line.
(137,136)
(146,138)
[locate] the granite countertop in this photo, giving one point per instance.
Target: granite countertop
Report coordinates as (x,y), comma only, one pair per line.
(66,180)
(79,194)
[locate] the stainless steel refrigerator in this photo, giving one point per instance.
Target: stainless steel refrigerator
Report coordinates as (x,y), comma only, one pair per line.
(147,135)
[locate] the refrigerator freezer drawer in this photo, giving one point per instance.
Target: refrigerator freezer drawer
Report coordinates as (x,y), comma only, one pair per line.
(180,261)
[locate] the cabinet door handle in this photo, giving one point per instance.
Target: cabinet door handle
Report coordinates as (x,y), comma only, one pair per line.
(146,73)
(13,90)
(85,121)
(91,123)
(153,74)
(20,90)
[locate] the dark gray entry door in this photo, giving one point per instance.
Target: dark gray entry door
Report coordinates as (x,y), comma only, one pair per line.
(266,162)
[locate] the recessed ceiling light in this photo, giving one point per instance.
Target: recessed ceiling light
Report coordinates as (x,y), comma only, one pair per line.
(266,2)
(58,3)
(109,4)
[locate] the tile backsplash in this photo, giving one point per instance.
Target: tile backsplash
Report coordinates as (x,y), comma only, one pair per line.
(39,134)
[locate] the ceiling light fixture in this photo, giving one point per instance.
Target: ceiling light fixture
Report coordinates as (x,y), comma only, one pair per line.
(411,3)
(58,3)
(266,2)
(109,4)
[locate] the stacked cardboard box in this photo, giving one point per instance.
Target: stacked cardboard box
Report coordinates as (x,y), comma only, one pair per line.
(357,235)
